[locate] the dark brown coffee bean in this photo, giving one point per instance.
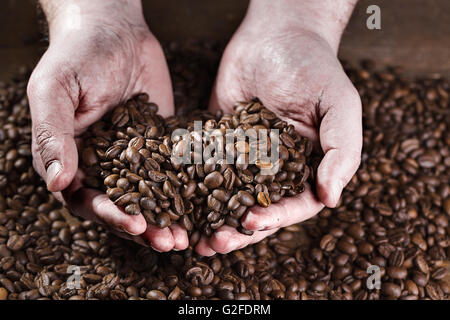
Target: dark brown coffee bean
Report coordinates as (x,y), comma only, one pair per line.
(168,189)
(132,155)
(390,289)
(420,279)
(186,223)
(123,183)
(245,198)
(157,176)
(431,292)
(15,242)
(178,204)
(156,295)
(234,202)
(397,272)
(421,264)
(111,180)
(213,180)
(439,273)
(133,209)
(287,140)
(162,220)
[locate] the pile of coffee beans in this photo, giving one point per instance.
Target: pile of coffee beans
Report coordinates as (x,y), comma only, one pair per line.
(391,223)
(132,153)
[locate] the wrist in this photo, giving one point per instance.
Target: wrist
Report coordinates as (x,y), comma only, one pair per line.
(74,15)
(326,18)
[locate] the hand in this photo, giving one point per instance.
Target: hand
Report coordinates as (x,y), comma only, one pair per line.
(286,56)
(101,53)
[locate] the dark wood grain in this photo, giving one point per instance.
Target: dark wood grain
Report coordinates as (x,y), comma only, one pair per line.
(415,34)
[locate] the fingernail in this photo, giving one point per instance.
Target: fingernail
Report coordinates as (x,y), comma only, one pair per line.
(141,241)
(122,229)
(251,218)
(335,192)
(155,249)
(52,171)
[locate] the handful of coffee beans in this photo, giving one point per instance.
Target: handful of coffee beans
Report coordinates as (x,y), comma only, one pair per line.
(201,172)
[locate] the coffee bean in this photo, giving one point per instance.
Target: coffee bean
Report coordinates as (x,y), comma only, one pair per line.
(263,199)
(397,272)
(15,242)
(391,289)
(327,243)
(156,295)
(431,292)
(213,180)
(421,264)
(245,198)
(133,209)
(393,211)
(162,220)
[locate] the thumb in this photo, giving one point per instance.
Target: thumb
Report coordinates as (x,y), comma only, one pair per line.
(228,88)
(54,149)
(156,79)
(341,141)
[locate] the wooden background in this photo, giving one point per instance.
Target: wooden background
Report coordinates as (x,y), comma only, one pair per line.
(415,34)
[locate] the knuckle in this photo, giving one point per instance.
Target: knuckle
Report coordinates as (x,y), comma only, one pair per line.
(40,84)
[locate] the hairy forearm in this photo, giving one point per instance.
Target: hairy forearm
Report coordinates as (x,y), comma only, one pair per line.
(62,14)
(328,18)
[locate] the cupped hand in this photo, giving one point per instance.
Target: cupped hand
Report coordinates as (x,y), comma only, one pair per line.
(293,69)
(95,61)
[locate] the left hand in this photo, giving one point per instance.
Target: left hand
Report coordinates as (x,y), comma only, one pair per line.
(292,67)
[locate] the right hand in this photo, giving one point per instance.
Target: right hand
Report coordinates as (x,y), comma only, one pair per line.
(88,69)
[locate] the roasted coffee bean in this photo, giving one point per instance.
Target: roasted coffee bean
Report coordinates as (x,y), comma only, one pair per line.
(391,289)
(397,272)
(157,176)
(213,180)
(15,242)
(162,220)
(263,199)
(393,211)
(245,198)
(156,295)
(133,209)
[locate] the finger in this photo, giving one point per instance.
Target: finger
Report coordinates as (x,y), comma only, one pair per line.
(227,239)
(203,248)
(284,213)
(341,141)
(156,78)
(258,236)
(52,113)
(227,88)
(180,237)
(160,239)
(95,205)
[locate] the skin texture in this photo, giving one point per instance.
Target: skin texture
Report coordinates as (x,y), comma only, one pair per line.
(101,53)
(285,54)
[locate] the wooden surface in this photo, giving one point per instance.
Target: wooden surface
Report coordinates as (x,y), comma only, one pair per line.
(415,34)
